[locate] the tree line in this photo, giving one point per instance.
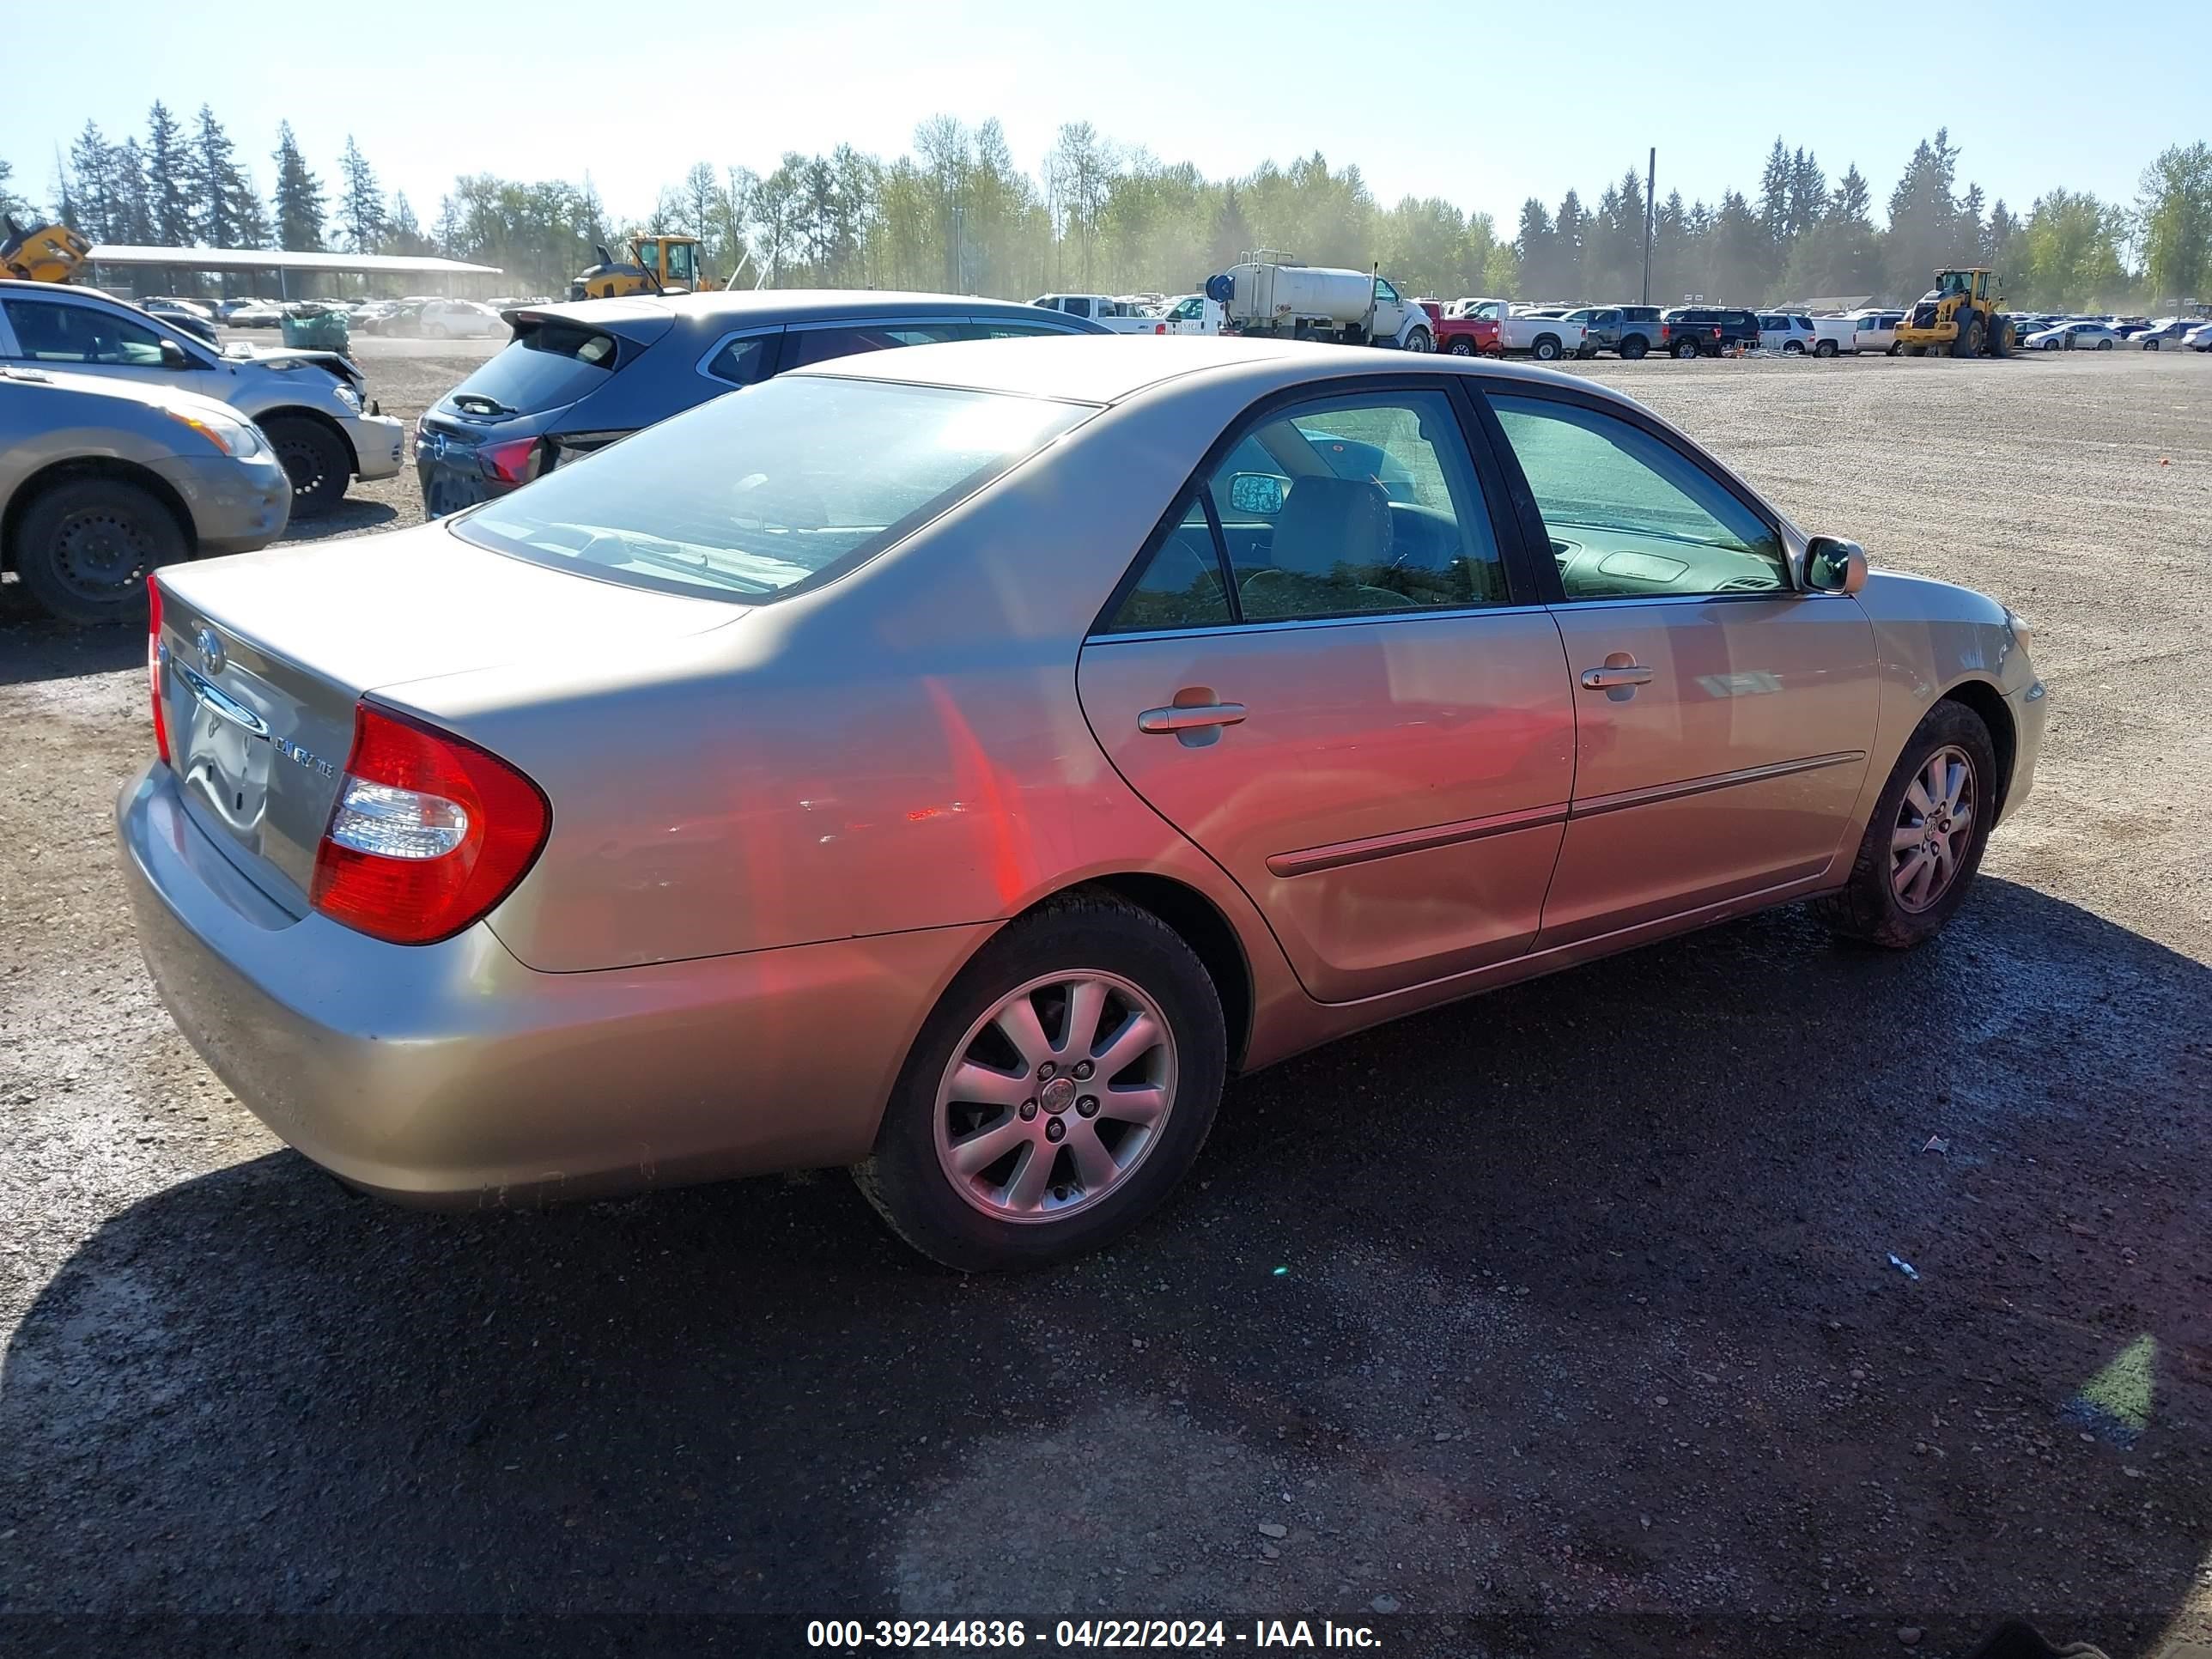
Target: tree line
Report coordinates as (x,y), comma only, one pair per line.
(956,212)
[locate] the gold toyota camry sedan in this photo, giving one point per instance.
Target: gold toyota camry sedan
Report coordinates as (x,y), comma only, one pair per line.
(954,762)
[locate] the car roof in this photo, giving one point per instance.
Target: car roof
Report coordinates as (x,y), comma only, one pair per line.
(1111,368)
(719,309)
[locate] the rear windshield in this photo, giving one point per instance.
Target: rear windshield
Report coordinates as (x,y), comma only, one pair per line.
(757,492)
(550,364)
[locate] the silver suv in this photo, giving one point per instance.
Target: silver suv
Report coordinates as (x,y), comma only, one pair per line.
(310,404)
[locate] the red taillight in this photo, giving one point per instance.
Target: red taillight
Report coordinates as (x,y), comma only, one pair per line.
(512,463)
(154,665)
(1665,329)
(429,832)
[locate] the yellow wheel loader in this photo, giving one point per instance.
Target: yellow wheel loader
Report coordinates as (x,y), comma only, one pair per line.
(49,253)
(657,264)
(1960,315)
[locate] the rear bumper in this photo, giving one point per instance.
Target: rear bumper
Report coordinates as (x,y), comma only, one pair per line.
(452,1075)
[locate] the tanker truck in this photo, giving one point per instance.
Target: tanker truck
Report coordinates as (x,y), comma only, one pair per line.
(1265,293)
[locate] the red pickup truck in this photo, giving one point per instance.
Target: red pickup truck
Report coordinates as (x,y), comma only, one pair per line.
(1464,336)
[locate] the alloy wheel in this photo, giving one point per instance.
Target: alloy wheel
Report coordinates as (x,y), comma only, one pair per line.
(1935,828)
(1055,1096)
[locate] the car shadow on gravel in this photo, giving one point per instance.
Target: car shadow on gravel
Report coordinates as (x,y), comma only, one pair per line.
(35,646)
(1572,1306)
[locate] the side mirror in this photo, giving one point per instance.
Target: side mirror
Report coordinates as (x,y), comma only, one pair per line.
(174,355)
(1255,495)
(1834,566)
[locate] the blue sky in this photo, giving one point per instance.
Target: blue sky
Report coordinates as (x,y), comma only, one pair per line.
(1482,105)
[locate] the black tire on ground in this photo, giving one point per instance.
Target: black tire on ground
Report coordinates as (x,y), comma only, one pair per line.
(1420,340)
(1547,348)
(1634,347)
(2103,345)
(1893,349)
(1793,347)
(1082,931)
(1684,349)
(2050,345)
(1463,345)
(1825,348)
(2001,337)
(85,547)
(1868,909)
(2150,345)
(316,460)
(1586,353)
(1967,342)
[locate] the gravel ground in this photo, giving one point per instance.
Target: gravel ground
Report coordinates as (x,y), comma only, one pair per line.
(1572,1307)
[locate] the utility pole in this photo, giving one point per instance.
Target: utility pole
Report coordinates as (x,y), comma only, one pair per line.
(1650,181)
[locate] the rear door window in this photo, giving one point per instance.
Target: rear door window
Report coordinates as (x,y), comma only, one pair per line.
(551,364)
(745,360)
(815,345)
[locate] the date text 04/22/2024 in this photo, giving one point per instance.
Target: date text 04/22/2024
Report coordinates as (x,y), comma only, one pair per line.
(1278,1635)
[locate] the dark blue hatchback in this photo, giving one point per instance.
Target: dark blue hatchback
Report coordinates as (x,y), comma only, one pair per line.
(578,376)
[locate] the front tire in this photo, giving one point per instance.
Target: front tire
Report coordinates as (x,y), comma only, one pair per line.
(1967,341)
(316,460)
(2150,345)
(84,549)
(1061,1089)
(1924,842)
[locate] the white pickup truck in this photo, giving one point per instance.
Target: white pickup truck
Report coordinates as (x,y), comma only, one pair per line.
(1119,316)
(1193,314)
(1541,335)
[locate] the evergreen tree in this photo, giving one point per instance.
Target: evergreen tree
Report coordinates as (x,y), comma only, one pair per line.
(360,203)
(1774,194)
(1922,214)
(169,178)
(1535,245)
(1232,237)
(10,203)
(212,176)
(299,196)
(133,216)
(91,195)
(1569,231)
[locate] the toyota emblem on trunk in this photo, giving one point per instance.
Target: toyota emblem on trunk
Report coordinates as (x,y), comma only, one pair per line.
(209,644)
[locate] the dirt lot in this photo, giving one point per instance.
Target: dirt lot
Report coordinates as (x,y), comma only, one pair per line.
(1571,1309)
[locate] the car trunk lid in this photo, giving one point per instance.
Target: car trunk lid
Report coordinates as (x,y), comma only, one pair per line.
(263,658)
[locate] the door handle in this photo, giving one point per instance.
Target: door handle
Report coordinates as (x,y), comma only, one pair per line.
(1190,717)
(1604,680)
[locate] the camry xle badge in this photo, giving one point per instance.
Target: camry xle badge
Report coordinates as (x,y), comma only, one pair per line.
(209,644)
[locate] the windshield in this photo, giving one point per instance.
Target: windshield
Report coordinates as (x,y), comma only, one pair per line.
(755,492)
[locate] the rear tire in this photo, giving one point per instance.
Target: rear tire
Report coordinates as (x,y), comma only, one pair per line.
(2103,345)
(1547,348)
(1635,347)
(1420,340)
(985,1219)
(1461,346)
(1686,349)
(1883,903)
(85,547)
(315,459)
(1825,348)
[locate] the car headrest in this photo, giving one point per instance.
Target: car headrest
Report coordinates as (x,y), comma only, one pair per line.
(1329,521)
